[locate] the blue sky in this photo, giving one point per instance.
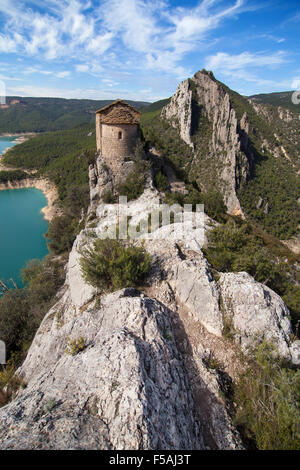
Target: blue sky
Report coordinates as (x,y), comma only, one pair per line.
(142,49)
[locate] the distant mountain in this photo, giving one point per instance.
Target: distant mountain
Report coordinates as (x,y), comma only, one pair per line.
(282,98)
(49,114)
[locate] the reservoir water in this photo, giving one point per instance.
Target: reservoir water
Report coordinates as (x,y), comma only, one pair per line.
(6,142)
(22,229)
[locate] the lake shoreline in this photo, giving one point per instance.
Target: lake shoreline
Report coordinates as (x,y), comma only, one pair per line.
(47,187)
(20,138)
(20,134)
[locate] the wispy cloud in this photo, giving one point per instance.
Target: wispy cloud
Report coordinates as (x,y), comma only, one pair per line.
(66,29)
(269,37)
(158,35)
(230,62)
(244,66)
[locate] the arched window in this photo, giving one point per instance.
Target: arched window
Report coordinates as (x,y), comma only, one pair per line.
(120,135)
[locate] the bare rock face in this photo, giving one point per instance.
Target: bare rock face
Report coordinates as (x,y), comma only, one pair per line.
(192,282)
(197,289)
(179,111)
(203,95)
(126,390)
(257,312)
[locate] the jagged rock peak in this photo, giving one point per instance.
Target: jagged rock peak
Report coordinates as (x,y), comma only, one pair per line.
(202,111)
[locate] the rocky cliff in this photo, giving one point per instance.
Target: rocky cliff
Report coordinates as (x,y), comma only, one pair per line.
(202,111)
(154,367)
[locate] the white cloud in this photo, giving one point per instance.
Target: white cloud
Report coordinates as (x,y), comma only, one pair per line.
(100,44)
(244,67)
(63,74)
(82,68)
(155,33)
(7,78)
(228,63)
(8,44)
(111,38)
(64,31)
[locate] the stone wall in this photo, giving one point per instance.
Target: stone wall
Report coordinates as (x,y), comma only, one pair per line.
(117,142)
(98,132)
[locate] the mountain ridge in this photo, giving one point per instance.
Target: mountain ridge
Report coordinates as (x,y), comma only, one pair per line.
(27,114)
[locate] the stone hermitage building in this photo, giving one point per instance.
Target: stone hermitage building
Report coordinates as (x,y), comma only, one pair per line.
(117,133)
(117,136)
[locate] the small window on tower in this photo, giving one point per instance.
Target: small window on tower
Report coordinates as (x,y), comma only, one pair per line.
(120,135)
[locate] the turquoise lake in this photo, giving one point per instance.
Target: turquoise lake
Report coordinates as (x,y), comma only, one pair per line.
(22,229)
(6,142)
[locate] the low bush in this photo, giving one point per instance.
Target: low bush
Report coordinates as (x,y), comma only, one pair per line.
(267,398)
(213,202)
(111,266)
(75,346)
(109,197)
(133,186)
(61,233)
(239,246)
(160,181)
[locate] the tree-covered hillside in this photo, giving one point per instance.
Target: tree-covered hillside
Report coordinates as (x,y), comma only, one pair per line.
(63,156)
(49,114)
(282,98)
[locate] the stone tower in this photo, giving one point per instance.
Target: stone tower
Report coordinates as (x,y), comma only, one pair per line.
(117,133)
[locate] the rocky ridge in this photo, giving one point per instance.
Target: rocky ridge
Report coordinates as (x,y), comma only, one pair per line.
(145,377)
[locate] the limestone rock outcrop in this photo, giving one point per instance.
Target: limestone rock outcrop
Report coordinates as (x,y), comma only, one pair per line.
(179,111)
(203,97)
(126,390)
(257,313)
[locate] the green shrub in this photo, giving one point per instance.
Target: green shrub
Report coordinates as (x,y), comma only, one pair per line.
(213,202)
(42,279)
(133,186)
(214,205)
(75,346)
(111,266)
(267,398)
(50,405)
(61,233)
(160,181)
(10,382)
(239,246)
(16,321)
(77,200)
(108,197)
